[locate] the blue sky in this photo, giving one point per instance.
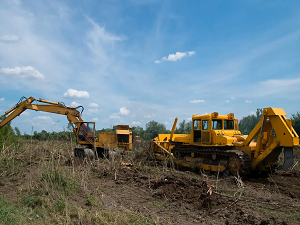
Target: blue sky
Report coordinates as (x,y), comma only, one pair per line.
(132,61)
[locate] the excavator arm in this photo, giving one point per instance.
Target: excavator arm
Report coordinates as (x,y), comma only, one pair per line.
(15,111)
(52,107)
(80,129)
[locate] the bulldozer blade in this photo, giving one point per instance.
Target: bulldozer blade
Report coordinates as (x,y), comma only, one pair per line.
(288,159)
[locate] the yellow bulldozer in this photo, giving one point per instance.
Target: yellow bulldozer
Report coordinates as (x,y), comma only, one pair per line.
(92,145)
(216,144)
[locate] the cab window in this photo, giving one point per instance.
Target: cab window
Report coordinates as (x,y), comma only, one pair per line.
(204,124)
(197,125)
(91,127)
(228,124)
(217,124)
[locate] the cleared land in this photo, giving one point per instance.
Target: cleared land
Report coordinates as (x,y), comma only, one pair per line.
(41,182)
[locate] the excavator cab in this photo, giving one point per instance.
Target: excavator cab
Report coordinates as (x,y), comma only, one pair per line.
(86,132)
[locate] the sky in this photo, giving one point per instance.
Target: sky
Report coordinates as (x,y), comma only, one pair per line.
(133,61)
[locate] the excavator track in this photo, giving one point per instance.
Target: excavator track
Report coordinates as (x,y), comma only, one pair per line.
(237,162)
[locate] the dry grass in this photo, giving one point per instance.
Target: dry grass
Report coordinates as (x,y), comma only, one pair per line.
(42,183)
(47,179)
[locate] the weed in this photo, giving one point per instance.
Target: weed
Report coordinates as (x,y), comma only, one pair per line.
(158,203)
(61,205)
(58,181)
(90,201)
(32,201)
(296,218)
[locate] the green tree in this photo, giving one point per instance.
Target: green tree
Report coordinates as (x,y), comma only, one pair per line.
(184,127)
(154,128)
(138,131)
(7,135)
(247,123)
(296,122)
(17,132)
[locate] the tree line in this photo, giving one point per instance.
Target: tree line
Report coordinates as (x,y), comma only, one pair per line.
(153,128)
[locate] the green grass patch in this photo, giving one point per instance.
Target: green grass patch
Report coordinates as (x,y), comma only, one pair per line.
(9,214)
(58,181)
(90,201)
(34,200)
(61,205)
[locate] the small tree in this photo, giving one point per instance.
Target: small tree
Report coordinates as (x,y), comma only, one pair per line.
(247,123)
(7,135)
(296,122)
(184,127)
(138,131)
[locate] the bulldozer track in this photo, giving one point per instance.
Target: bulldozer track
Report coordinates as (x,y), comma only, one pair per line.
(243,158)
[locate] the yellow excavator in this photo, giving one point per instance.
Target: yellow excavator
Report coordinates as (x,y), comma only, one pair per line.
(85,131)
(216,144)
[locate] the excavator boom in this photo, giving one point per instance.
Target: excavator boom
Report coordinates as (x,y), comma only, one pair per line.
(52,107)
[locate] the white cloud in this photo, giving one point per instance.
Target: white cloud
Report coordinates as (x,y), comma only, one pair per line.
(89,111)
(197,101)
(227,101)
(190,53)
(136,123)
(190,118)
(9,38)
(282,87)
(1,99)
(114,117)
(100,34)
(26,113)
(94,105)
(166,123)
(22,72)
(101,43)
(147,116)
(124,111)
(248,101)
(176,56)
(75,104)
(252,113)
(95,119)
(71,93)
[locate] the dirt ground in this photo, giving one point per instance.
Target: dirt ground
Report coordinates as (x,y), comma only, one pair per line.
(163,195)
(183,198)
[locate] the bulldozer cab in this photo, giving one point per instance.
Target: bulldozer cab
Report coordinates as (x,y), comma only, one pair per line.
(206,125)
